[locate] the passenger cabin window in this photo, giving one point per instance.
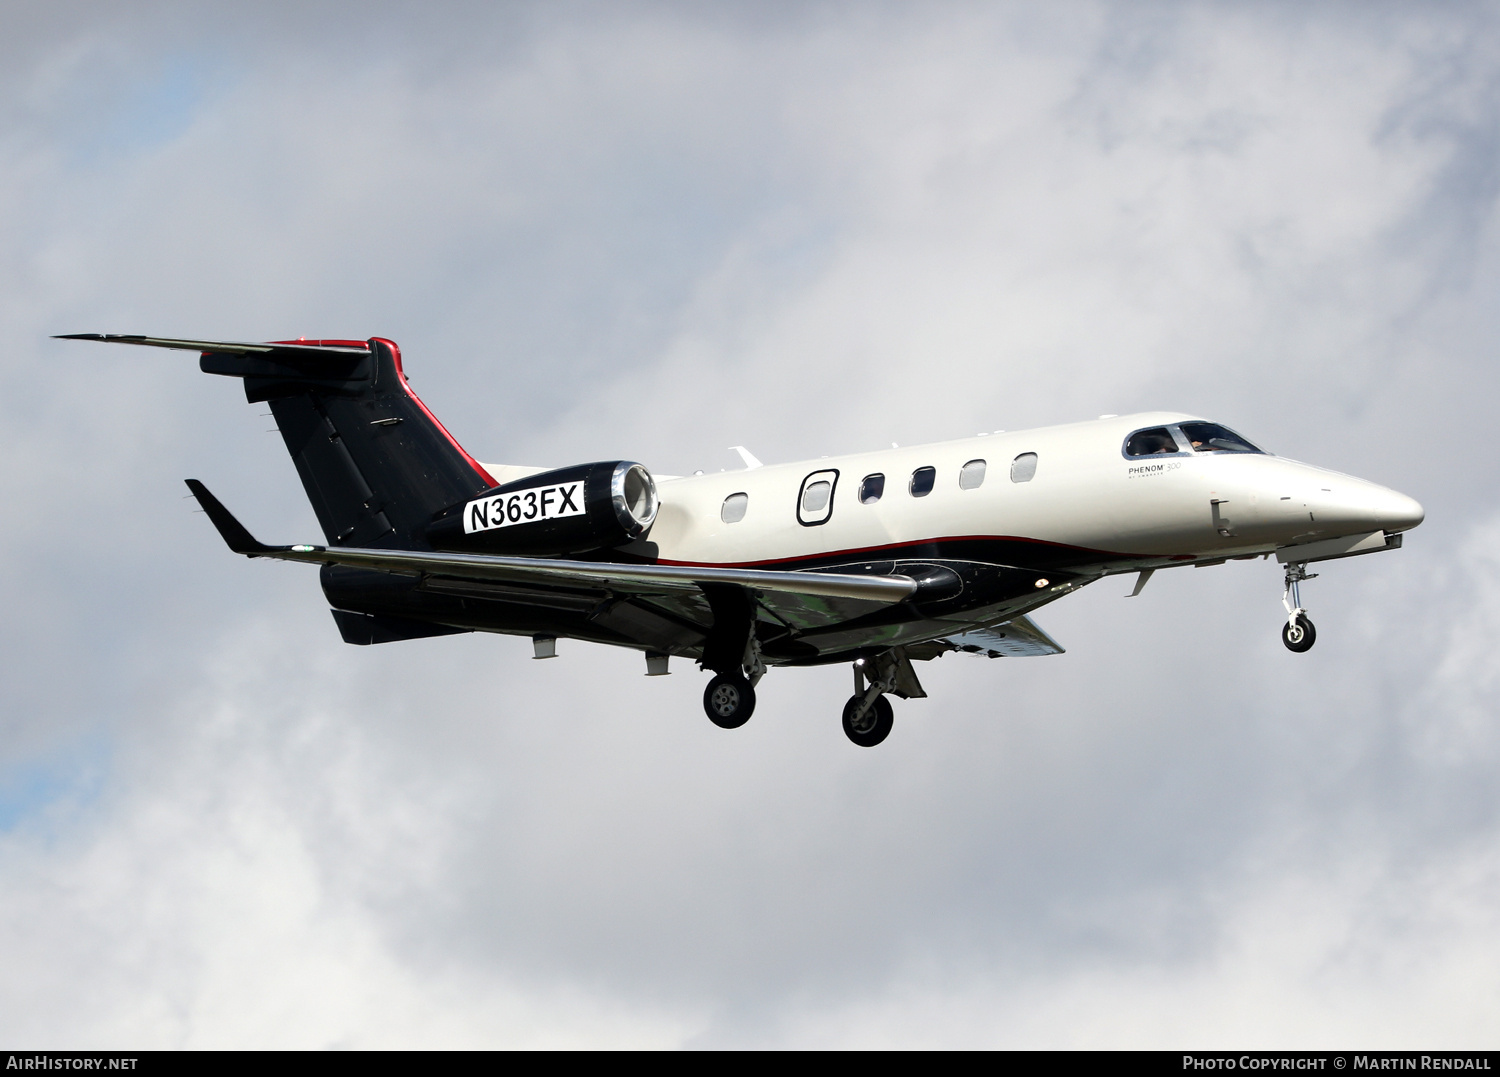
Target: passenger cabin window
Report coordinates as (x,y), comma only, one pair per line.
(1151,442)
(1211,437)
(922,481)
(734,508)
(815,497)
(815,501)
(972,475)
(871,489)
(1023,467)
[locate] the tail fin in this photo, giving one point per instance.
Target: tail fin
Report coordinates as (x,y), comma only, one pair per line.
(376,464)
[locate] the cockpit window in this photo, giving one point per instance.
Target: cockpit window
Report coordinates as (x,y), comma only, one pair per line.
(1211,437)
(1151,442)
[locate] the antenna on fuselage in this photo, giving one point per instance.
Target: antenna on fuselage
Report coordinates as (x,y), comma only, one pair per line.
(751,463)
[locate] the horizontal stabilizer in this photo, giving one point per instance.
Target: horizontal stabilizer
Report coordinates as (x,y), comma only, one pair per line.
(284,349)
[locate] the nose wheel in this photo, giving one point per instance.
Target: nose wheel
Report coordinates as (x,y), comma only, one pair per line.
(1298,633)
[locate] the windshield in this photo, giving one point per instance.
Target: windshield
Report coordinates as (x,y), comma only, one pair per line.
(1211,437)
(1151,442)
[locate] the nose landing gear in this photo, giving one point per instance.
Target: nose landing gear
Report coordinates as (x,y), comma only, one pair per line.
(1298,633)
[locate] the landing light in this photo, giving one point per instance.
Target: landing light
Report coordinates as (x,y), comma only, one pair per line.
(1043,582)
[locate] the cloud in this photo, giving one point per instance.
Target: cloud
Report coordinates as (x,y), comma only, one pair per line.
(650,233)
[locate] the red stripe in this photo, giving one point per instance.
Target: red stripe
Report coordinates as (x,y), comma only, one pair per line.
(902,546)
(489,480)
(324,343)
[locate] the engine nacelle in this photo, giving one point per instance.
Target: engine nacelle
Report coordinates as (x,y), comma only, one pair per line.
(568,511)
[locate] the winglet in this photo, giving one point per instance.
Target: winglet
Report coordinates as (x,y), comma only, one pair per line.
(231,530)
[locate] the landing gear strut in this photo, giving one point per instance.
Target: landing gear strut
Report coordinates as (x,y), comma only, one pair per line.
(729,699)
(867,715)
(1298,633)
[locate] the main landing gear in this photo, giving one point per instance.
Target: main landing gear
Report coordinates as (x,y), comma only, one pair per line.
(867,723)
(867,715)
(729,700)
(733,653)
(1298,633)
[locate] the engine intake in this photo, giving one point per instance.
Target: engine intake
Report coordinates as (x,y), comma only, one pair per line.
(571,510)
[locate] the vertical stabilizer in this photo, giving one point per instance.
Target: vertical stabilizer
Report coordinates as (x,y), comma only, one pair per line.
(374,461)
(376,464)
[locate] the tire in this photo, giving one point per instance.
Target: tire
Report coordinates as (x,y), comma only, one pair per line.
(1299,637)
(729,701)
(874,727)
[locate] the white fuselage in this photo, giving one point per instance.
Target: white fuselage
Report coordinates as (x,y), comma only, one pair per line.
(1084,493)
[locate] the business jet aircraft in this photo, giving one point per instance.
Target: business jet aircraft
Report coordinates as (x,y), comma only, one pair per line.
(879,559)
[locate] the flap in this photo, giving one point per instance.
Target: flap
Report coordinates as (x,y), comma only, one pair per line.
(1017,638)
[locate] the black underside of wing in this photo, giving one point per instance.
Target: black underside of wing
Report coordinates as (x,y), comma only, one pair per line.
(791,629)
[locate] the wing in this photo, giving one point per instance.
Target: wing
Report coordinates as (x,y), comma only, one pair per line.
(801,599)
(1019,637)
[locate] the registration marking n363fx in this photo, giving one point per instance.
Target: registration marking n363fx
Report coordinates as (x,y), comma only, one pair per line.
(523,507)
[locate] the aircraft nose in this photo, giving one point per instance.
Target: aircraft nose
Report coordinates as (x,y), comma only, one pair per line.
(1401,513)
(1386,510)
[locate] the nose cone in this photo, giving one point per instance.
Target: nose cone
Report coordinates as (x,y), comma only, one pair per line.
(1373,508)
(1399,512)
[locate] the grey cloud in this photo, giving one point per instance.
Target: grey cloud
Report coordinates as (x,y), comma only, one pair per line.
(653,233)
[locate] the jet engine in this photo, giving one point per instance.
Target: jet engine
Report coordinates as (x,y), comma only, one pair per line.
(571,510)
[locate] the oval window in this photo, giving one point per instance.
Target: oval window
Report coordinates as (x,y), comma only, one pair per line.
(1023,467)
(972,475)
(922,481)
(815,500)
(871,489)
(734,508)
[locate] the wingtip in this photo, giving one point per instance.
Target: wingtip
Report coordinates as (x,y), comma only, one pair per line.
(107,338)
(234,533)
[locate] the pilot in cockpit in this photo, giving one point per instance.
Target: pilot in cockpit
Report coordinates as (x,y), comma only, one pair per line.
(1151,443)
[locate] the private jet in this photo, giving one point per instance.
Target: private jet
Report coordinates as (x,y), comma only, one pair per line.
(879,559)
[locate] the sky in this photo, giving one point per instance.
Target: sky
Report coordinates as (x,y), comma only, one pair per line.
(650,231)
